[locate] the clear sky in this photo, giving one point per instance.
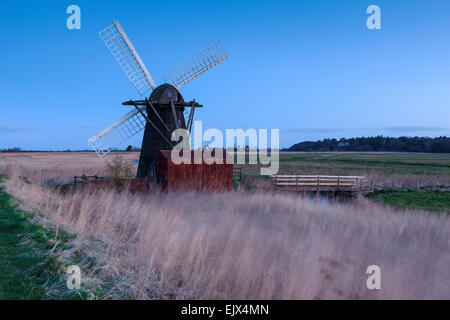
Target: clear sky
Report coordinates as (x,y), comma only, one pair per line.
(309,68)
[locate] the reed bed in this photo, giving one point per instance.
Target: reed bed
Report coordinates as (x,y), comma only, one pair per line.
(241,245)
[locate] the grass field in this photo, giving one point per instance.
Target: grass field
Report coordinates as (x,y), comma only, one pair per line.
(31,264)
(363,163)
(249,245)
(437,201)
(56,167)
(26,264)
(386,170)
(239,245)
(60,166)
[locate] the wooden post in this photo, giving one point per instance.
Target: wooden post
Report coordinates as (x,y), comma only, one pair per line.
(318,187)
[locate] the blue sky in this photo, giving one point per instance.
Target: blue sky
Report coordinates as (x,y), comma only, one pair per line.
(309,68)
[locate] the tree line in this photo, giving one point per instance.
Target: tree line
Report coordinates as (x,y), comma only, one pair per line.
(378,143)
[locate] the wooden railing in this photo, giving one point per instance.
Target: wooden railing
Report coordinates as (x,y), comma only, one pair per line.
(322,183)
(77,179)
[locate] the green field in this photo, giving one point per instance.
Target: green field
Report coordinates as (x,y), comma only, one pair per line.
(354,163)
(437,201)
(29,263)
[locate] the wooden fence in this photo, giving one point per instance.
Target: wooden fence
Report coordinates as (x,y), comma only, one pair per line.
(309,183)
(78,179)
(237,174)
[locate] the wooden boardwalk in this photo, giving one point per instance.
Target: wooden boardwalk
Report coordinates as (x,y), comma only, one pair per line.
(319,184)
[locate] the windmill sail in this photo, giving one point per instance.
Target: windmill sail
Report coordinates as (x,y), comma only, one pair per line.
(126,55)
(118,132)
(202,62)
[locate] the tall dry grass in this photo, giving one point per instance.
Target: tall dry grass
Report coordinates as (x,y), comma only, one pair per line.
(56,167)
(249,246)
(410,181)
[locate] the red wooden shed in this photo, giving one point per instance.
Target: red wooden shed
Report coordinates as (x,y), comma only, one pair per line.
(193,177)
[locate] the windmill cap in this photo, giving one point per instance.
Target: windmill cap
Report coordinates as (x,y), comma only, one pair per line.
(166,93)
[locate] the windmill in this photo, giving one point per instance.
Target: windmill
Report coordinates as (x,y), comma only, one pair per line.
(163,111)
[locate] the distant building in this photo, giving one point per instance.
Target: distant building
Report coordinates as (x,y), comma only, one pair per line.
(343,144)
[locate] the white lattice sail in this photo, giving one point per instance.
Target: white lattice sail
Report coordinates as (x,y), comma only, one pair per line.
(126,55)
(199,64)
(118,132)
